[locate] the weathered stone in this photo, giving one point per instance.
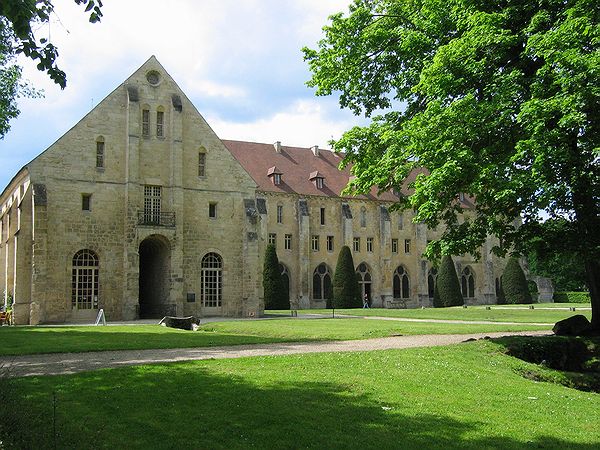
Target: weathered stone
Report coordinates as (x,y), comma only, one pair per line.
(577,325)
(184,323)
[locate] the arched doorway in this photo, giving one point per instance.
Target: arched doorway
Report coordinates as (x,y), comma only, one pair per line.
(467,282)
(364,280)
(155,268)
(285,277)
(322,286)
(401,283)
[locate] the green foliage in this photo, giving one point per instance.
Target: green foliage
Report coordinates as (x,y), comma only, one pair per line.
(447,288)
(275,295)
(22,18)
(571,297)
(497,100)
(514,283)
(346,293)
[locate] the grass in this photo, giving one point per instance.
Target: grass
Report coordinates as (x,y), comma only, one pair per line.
(516,313)
(29,340)
(467,396)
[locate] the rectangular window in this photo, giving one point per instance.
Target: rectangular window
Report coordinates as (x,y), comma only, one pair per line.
(160,123)
(145,122)
(315,243)
(152,195)
(369,244)
(279,214)
(400,221)
(322,216)
(212,210)
(329,243)
(99,155)
(273,238)
(319,182)
(394,245)
(201,164)
(407,246)
(356,244)
(288,242)
(86,202)
(277,178)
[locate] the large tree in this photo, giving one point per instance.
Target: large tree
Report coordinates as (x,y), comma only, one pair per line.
(18,20)
(496,100)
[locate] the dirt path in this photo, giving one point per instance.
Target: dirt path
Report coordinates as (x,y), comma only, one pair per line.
(65,363)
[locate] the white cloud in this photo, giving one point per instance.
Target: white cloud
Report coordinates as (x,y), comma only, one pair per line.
(239,61)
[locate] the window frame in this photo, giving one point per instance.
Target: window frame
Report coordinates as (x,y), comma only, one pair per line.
(407,244)
(160,124)
(394,245)
(314,243)
(86,202)
(356,244)
(202,164)
(370,241)
(287,242)
(212,210)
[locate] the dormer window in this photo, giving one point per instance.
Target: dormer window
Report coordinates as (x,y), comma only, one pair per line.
(318,179)
(275,175)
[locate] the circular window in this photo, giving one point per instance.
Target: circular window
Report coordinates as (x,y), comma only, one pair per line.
(153,77)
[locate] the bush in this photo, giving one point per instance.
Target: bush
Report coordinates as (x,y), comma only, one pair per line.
(275,295)
(346,292)
(447,288)
(514,284)
(571,297)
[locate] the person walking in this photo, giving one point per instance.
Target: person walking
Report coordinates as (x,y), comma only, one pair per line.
(366,301)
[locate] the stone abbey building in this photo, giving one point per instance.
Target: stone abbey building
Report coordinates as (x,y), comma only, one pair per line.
(140,209)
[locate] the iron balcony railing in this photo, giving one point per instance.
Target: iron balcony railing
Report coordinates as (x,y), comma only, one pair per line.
(154,219)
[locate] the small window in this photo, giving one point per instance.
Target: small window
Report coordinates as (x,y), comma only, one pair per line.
(99,154)
(315,243)
(407,246)
(319,182)
(363,217)
(212,210)
(145,122)
(279,214)
(400,221)
(160,123)
(369,244)
(86,202)
(394,245)
(288,242)
(329,243)
(322,216)
(273,238)
(277,178)
(356,244)
(201,164)
(191,297)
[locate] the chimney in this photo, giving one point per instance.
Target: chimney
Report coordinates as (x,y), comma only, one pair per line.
(277,146)
(315,150)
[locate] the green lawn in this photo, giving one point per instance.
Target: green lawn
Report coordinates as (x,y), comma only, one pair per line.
(466,396)
(28,340)
(516,313)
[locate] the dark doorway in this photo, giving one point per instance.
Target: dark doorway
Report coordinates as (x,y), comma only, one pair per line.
(155,267)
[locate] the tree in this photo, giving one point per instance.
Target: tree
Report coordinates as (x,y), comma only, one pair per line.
(346,292)
(554,258)
(17,20)
(514,284)
(274,290)
(447,288)
(496,100)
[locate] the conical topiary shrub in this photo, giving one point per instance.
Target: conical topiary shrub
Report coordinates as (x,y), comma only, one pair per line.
(514,284)
(274,289)
(346,293)
(447,288)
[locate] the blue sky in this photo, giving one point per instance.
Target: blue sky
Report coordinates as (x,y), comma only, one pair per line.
(239,61)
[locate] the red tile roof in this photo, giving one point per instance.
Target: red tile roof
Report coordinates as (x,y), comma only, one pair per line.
(297,166)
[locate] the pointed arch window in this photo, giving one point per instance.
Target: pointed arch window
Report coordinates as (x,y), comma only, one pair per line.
(84,280)
(431,280)
(100,152)
(467,282)
(322,286)
(401,283)
(212,280)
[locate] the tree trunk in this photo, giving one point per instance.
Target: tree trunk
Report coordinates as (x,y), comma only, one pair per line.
(592,269)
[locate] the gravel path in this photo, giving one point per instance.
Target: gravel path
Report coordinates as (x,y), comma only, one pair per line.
(65,363)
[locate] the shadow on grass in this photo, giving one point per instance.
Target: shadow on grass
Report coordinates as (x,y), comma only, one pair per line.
(32,340)
(188,406)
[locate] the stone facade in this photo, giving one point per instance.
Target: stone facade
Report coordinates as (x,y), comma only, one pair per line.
(140,209)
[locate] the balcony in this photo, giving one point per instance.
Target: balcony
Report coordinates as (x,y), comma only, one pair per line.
(153,219)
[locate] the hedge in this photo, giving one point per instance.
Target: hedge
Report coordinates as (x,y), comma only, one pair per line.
(571,297)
